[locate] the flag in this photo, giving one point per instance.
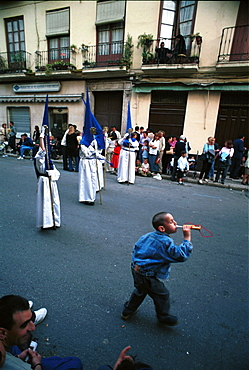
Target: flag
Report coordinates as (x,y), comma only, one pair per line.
(128,124)
(90,121)
(45,122)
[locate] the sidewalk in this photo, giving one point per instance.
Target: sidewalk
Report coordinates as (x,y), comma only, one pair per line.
(229,183)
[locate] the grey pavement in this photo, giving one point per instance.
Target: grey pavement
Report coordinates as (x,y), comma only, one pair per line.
(81,271)
(229,183)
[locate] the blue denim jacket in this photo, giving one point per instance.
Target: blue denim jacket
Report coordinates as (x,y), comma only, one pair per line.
(155,251)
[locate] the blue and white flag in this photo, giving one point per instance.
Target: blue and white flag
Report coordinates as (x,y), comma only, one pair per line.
(90,121)
(128,124)
(45,122)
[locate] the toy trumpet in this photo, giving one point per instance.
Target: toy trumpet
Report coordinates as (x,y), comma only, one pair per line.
(203,231)
(193,227)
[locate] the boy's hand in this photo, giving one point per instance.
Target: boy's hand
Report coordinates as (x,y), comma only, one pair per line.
(186,229)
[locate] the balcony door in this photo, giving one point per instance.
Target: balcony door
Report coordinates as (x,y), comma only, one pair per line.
(15,39)
(110,44)
(59,49)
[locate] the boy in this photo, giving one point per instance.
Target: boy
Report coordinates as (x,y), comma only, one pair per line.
(145,169)
(182,167)
(152,256)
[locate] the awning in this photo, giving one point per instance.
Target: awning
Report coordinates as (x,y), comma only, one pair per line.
(189,85)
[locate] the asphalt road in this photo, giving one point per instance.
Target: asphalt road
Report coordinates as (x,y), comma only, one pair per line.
(81,272)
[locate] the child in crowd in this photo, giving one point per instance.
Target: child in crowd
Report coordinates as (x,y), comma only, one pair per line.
(115,157)
(151,260)
(182,167)
(138,167)
(144,170)
(145,150)
(192,163)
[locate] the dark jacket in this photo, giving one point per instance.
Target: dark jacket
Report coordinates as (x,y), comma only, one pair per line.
(239,149)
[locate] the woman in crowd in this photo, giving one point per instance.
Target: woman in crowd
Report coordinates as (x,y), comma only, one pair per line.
(72,148)
(154,155)
(207,158)
(224,162)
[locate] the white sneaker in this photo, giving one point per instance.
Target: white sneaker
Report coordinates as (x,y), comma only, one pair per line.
(20,157)
(200,181)
(40,315)
(157,176)
(206,180)
(31,304)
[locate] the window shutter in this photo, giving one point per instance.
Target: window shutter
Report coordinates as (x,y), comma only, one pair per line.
(58,22)
(110,11)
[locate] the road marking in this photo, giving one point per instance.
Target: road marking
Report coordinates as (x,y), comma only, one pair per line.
(209,196)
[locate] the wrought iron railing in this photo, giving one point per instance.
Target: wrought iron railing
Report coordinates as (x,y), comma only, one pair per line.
(15,61)
(153,54)
(55,59)
(105,55)
(234,44)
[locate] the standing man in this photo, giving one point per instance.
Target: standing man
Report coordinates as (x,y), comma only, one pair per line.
(16,325)
(12,137)
(239,150)
(64,149)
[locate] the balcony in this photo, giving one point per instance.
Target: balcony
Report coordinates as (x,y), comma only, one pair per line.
(62,59)
(234,45)
(115,54)
(153,55)
(15,62)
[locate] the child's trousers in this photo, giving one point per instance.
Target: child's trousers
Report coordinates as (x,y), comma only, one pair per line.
(155,288)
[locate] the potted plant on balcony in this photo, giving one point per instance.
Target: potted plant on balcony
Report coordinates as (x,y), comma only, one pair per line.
(84,47)
(127,56)
(145,40)
(73,48)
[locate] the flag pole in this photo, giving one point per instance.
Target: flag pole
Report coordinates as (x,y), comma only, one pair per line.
(49,177)
(93,132)
(105,130)
(129,147)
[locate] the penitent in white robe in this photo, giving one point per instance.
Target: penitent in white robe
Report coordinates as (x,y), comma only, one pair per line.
(89,181)
(127,162)
(47,194)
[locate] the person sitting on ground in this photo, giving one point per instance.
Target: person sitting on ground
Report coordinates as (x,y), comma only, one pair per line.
(27,144)
(144,170)
(16,325)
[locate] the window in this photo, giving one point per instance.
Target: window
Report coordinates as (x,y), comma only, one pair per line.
(110,41)
(59,49)
(167,22)
(15,39)
(57,32)
(177,17)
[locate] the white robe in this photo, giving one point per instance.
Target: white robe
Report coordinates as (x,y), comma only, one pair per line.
(127,162)
(48,201)
(89,181)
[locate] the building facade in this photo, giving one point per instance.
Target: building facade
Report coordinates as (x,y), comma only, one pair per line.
(198,88)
